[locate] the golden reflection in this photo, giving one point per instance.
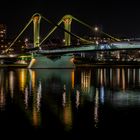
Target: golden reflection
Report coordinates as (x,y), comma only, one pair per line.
(72,79)
(67,110)
(33,76)
(2,99)
(22,79)
(68,116)
(36,117)
(123,79)
(11,82)
(118,77)
(85,81)
(101,77)
(32,105)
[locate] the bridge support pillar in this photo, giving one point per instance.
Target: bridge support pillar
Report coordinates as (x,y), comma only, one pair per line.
(67,19)
(36,24)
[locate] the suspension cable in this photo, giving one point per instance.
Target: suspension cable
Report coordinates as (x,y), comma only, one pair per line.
(18,36)
(51,32)
(58,26)
(116,39)
(83,39)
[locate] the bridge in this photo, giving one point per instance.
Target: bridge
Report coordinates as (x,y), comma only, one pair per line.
(66,20)
(68,50)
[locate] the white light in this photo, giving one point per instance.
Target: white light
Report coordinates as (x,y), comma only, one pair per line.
(26,39)
(96,29)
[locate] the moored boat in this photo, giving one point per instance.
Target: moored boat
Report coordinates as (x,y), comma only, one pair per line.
(15,60)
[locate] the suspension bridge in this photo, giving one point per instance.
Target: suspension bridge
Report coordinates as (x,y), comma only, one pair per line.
(67,52)
(66,20)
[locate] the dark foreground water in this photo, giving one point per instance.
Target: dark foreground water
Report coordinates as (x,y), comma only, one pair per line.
(68,103)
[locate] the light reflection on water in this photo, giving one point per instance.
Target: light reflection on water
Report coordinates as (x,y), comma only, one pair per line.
(68,99)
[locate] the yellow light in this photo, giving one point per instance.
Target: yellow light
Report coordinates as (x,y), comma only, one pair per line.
(71,60)
(72,79)
(22,79)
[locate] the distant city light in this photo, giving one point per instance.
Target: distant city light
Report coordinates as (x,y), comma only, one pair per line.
(26,39)
(96,29)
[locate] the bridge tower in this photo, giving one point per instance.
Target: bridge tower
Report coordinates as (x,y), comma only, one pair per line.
(36,30)
(67,19)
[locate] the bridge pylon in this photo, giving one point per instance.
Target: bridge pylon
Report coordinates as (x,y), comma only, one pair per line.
(36,25)
(67,19)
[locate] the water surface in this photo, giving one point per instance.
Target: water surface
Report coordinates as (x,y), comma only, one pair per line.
(69,102)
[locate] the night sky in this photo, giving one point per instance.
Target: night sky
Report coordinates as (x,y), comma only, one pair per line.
(116,17)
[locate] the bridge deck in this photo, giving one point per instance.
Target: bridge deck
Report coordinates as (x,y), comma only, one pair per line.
(89,48)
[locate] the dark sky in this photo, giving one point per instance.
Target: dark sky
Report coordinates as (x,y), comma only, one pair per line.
(116,17)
